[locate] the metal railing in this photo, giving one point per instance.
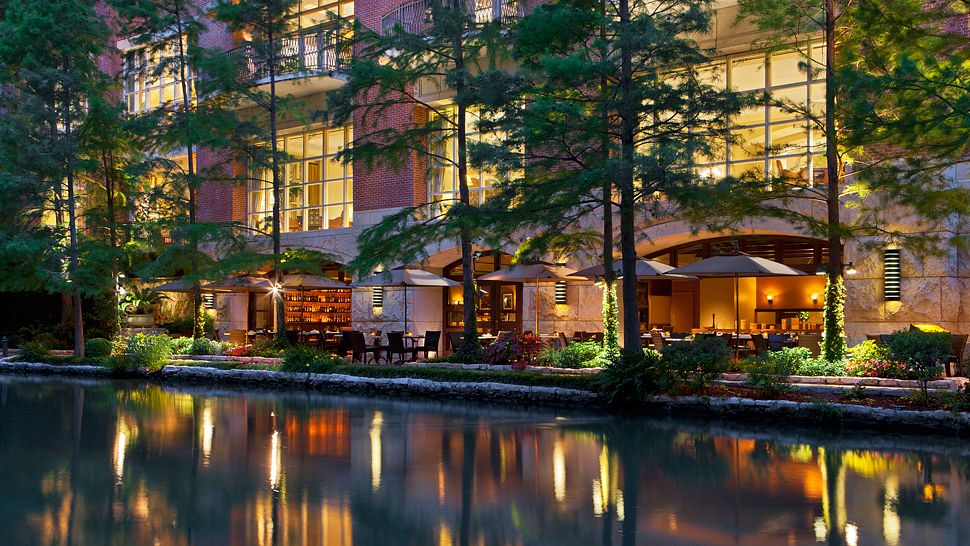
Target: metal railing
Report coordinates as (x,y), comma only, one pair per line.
(416,17)
(306,52)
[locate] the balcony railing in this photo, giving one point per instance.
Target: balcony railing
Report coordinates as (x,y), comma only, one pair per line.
(415,17)
(306,52)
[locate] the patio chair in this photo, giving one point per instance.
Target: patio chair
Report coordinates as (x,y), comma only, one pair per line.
(579,336)
(360,349)
(776,342)
(431,340)
(454,339)
(874,337)
(810,342)
(503,335)
(958,344)
(658,341)
(395,346)
(760,345)
(237,337)
(563,341)
(596,336)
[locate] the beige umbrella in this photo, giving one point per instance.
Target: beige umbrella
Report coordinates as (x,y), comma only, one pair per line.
(646,269)
(241,284)
(736,265)
(536,273)
(405,277)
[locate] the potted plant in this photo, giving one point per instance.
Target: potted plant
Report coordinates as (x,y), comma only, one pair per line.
(138,305)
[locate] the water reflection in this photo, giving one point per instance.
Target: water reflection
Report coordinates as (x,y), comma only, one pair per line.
(98,463)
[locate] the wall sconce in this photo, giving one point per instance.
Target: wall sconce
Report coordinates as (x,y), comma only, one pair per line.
(815,299)
(209,301)
(561,293)
(891,274)
(850,269)
(377,297)
(771,299)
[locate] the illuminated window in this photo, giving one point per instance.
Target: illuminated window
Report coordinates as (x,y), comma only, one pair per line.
(443,171)
(152,78)
(768,138)
(318,190)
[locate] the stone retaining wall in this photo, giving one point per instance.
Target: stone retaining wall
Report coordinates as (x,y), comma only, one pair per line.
(775,411)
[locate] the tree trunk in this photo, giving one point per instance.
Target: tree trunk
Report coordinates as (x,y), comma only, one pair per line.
(833,346)
(628,243)
(278,303)
(611,342)
(198,324)
(72,221)
(470,349)
(107,164)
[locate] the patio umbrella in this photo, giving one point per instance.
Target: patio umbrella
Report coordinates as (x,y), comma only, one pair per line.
(537,273)
(178,285)
(241,284)
(308,282)
(405,277)
(736,265)
(646,269)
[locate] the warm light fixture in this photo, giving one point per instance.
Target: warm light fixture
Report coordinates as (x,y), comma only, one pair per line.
(275,290)
(561,292)
(815,298)
(891,274)
(771,299)
(209,301)
(820,271)
(850,269)
(377,297)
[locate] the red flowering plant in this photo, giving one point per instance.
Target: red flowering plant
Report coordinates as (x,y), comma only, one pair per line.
(517,350)
(242,350)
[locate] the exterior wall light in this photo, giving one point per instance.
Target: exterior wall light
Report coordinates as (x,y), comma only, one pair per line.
(377,297)
(815,299)
(561,293)
(850,269)
(891,274)
(209,301)
(771,299)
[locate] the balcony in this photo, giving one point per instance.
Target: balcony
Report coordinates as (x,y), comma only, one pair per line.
(309,53)
(415,17)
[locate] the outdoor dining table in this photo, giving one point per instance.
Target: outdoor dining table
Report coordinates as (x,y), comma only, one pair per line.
(486,339)
(412,339)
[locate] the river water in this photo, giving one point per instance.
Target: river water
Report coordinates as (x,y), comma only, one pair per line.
(105,463)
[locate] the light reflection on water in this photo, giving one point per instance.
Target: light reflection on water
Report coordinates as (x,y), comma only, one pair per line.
(111,463)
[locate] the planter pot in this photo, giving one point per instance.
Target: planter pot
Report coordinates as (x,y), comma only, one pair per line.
(141,321)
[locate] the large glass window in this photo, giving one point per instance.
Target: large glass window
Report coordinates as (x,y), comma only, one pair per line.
(443,171)
(152,78)
(318,189)
(769,138)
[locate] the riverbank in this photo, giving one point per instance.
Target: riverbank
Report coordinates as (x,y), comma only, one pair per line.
(821,412)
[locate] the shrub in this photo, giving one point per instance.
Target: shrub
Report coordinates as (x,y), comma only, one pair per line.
(629,380)
(97,348)
(581,354)
(34,351)
(869,359)
(149,351)
(922,354)
(182,345)
(516,350)
(820,366)
(266,348)
(205,346)
(242,350)
(770,374)
(48,340)
(303,359)
(695,364)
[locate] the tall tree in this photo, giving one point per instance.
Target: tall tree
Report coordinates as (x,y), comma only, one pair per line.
(401,69)
(184,123)
(50,51)
(867,126)
(611,112)
(261,60)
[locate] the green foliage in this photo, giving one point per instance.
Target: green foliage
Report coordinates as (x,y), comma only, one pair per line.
(205,346)
(868,350)
(305,359)
(923,353)
(856,393)
(833,318)
(34,351)
(148,351)
(97,348)
(611,318)
(770,375)
(695,364)
(580,354)
(140,300)
(48,340)
(820,367)
(629,381)
(956,401)
(182,345)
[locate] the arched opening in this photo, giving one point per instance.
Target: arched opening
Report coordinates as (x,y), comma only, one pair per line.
(499,303)
(308,309)
(782,303)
